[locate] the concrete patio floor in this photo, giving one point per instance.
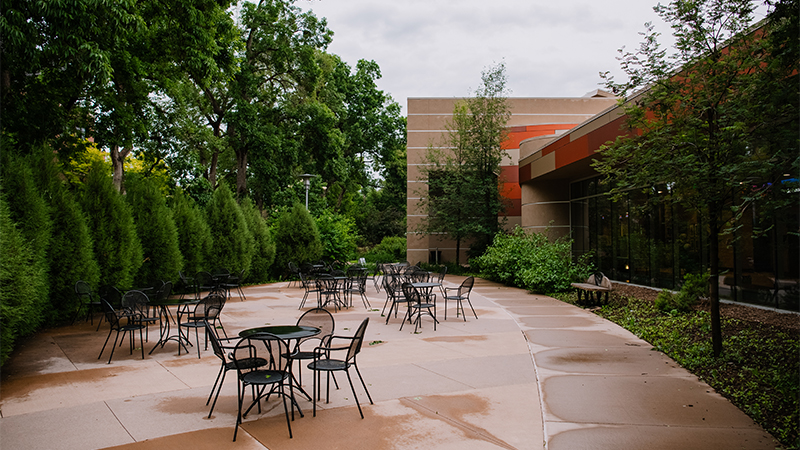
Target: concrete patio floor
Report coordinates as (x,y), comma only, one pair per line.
(530,373)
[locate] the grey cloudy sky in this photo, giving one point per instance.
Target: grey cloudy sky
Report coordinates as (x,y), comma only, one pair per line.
(438,48)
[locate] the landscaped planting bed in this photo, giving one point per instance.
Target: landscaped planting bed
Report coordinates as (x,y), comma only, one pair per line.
(759,369)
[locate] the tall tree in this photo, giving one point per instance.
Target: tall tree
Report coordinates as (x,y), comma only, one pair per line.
(692,129)
(117,248)
(464,197)
(233,241)
(278,59)
(157,232)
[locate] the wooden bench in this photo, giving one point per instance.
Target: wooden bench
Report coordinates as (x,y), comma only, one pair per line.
(593,289)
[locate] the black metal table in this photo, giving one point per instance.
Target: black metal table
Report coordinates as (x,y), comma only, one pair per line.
(285,332)
(164,316)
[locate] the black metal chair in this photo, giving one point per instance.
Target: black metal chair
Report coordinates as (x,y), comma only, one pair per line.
(187,284)
(295,273)
(112,295)
(87,300)
(204,313)
(320,318)
(323,362)
(227,364)
(393,287)
(204,282)
(311,286)
(115,319)
(135,304)
(234,283)
(458,295)
(416,305)
(276,375)
(357,284)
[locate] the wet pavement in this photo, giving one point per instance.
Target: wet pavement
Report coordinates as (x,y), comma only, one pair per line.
(530,373)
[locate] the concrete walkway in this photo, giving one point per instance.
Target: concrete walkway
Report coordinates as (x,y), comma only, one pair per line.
(530,373)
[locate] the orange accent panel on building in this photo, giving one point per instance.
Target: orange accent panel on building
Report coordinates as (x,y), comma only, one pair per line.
(519,134)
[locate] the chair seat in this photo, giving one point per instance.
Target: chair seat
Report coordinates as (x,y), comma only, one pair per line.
(246,363)
(302,355)
(264,376)
(329,364)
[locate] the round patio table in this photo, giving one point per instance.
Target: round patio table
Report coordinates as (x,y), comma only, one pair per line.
(164,316)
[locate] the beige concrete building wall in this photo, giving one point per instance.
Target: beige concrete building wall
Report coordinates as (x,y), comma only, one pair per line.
(530,118)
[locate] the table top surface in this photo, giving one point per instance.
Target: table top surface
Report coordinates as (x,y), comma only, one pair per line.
(282,331)
(173,301)
(425,284)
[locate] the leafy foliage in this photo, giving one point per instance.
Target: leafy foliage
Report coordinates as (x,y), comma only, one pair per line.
(716,125)
(695,287)
(391,249)
(338,235)
(23,285)
(264,249)
(531,261)
(71,241)
(233,243)
(463,198)
(194,235)
(117,248)
(156,230)
(297,239)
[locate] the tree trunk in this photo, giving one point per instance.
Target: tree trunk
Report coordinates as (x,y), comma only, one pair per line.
(241,172)
(118,165)
(713,248)
(458,252)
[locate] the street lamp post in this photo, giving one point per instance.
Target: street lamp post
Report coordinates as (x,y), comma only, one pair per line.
(306,177)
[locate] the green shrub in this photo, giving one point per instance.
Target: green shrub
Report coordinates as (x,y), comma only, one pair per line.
(391,249)
(23,285)
(233,241)
(116,245)
(296,239)
(338,235)
(70,241)
(531,261)
(156,230)
(694,287)
(264,250)
(194,235)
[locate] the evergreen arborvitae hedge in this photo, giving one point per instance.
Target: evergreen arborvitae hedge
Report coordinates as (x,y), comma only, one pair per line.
(70,253)
(264,253)
(116,246)
(233,243)
(22,282)
(194,235)
(296,239)
(156,230)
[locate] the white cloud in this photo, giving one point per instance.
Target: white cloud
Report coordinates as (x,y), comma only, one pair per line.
(438,48)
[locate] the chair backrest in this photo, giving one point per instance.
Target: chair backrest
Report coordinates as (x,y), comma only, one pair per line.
(319,318)
(410,292)
(358,339)
(391,284)
(110,294)
(135,301)
(83,289)
(441,274)
(466,286)
(163,293)
(215,344)
(263,345)
(210,306)
(111,315)
(204,280)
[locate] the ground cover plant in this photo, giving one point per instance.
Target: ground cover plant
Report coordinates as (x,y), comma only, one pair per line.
(758,370)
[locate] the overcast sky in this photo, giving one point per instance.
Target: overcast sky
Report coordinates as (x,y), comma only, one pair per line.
(438,48)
